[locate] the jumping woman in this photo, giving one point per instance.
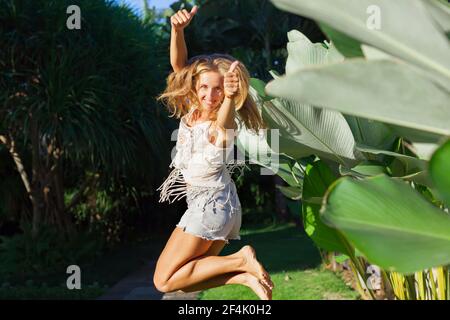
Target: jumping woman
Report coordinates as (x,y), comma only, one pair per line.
(207,93)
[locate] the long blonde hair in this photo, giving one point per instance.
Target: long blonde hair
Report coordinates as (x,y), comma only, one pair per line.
(180,95)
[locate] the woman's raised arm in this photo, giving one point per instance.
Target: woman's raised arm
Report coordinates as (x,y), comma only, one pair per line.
(178,49)
(226,113)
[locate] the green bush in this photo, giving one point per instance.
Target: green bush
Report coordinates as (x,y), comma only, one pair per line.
(256,197)
(23,257)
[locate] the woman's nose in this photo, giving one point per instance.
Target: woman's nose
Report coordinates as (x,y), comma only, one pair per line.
(211,94)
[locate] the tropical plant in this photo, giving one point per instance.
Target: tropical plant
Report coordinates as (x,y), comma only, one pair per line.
(222,26)
(393,99)
(70,115)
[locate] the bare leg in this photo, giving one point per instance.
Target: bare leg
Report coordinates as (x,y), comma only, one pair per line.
(243,278)
(180,249)
(204,268)
(183,263)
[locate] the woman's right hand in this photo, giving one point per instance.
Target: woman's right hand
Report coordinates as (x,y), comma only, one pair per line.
(182,18)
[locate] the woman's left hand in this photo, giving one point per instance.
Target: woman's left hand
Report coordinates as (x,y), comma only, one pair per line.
(231,81)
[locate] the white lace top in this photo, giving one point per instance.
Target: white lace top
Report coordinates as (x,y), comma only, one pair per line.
(198,164)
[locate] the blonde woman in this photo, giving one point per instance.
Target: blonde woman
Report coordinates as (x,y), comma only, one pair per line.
(206,93)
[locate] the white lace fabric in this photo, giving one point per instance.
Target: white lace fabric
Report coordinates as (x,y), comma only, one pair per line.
(198,166)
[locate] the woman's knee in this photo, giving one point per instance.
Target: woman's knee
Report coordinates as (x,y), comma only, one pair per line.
(180,249)
(161,284)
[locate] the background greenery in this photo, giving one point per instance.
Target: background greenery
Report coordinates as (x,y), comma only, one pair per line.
(377,137)
(84,145)
(363,120)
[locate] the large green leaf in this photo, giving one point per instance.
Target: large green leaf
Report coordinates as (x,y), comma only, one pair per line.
(411,164)
(371,53)
(346,45)
(365,131)
(382,135)
(293,193)
(255,147)
(424,44)
(371,133)
(381,90)
(318,178)
(416,135)
(389,222)
(403,166)
(440,10)
(424,150)
(286,144)
(423,143)
(303,53)
(259,86)
(364,169)
(306,130)
(440,171)
(262,148)
(291,171)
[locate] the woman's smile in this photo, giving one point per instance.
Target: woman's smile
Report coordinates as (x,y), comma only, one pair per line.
(210,89)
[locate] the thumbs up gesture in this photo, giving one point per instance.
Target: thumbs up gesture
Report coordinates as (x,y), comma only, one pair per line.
(231,81)
(182,18)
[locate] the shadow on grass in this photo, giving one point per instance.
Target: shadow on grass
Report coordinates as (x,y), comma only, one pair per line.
(279,247)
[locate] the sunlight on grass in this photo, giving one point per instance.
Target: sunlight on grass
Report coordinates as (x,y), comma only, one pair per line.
(312,284)
(294,264)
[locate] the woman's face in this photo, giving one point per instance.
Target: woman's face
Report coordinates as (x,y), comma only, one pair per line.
(209,88)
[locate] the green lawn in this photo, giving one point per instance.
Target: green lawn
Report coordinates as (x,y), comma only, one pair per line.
(294,264)
(287,253)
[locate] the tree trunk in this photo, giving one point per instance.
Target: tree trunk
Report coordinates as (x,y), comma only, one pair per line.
(11,146)
(58,188)
(46,190)
(32,191)
(54,194)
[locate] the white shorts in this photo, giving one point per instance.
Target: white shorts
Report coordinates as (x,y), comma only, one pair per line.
(213,213)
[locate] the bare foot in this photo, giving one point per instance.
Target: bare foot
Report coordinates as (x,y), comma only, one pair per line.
(254,267)
(261,290)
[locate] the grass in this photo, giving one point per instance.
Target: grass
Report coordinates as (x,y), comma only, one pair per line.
(287,253)
(294,264)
